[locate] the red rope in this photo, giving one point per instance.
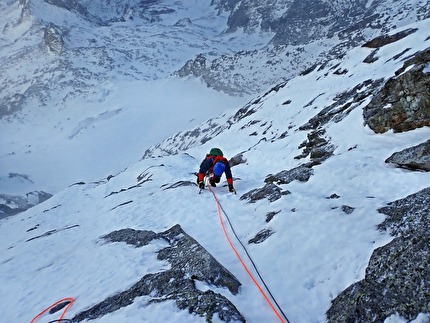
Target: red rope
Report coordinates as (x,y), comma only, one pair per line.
(240,259)
(66,299)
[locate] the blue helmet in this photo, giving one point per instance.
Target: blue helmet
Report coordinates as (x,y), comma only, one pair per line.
(219,168)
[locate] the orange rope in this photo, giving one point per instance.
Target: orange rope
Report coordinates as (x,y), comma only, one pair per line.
(240,259)
(66,299)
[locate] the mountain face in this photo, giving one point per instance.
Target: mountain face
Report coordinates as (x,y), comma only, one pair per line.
(396,272)
(303,33)
(330,162)
(121,39)
(125,38)
(300,22)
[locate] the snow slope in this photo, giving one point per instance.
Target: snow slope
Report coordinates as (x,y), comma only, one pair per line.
(94,140)
(316,251)
(108,78)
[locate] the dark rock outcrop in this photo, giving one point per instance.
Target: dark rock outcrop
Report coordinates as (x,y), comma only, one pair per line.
(261,236)
(300,173)
(408,215)
(189,262)
(50,232)
(347,209)
(271,215)
(372,57)
(404,101)
(14,204)
(270,191)
(178,184)
(388,39)
(195,67)
(317,147)
(397,279)
(10,105)
(344,103)
(53,39)
(415,158)
(237,160)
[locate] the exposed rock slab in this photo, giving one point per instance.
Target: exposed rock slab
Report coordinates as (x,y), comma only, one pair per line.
(189,262)
(408,215)
(397,279)
(403,103)
(415,158)
(388,39)
(300,173)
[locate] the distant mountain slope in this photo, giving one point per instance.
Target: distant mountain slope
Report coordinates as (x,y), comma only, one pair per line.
(71,67)
(303,33)
(350,83)
(136,42)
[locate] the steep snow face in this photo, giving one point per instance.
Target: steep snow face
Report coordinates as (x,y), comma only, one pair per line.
(323,231)
(70,67)
(313,92)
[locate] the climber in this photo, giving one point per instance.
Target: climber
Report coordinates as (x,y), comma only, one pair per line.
(214,165)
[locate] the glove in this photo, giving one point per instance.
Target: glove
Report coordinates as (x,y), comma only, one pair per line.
(231,188)
(201,185)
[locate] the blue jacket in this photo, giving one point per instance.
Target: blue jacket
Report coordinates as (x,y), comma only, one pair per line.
(209,162)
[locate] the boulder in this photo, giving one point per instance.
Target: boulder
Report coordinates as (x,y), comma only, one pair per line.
(318,147)
(300,173)
(414,158)
(403,103)
(270,191)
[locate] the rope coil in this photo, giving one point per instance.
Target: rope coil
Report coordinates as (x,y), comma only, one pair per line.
(68,302)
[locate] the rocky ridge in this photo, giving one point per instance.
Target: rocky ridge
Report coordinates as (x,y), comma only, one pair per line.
(289,52)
